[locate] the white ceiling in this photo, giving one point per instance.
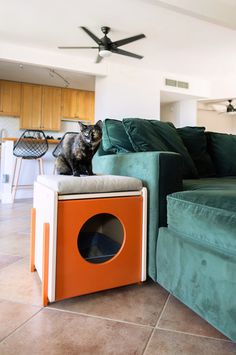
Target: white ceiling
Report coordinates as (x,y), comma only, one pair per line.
(44,76)
(191,37)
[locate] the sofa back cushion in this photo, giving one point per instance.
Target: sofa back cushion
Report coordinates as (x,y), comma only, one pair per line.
(195,141)
(154,135)
(114,137)
(222,148)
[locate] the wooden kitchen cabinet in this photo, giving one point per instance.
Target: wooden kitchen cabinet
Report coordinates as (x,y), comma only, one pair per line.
(31,106)
(10,98)
(78,104)
(41,107)
(51,108)
(86,105)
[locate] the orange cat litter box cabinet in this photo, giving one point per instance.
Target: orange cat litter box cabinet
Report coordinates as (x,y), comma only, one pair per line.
(87,234)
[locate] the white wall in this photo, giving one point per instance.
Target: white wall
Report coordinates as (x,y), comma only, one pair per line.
(224,88)
(198,87)
(181,113)
(188,113)
(170,112)
(128,92)
(217,122)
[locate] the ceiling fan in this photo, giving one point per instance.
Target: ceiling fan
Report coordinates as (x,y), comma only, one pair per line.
(224,106)
(230,107)
(105,46)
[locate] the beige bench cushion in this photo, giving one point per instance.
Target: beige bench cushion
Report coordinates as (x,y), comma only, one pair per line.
(64,184)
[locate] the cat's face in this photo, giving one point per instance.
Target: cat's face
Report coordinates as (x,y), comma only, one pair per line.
(91,134)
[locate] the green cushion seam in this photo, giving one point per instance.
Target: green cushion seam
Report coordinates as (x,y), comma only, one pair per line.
(198,242)
(201,205)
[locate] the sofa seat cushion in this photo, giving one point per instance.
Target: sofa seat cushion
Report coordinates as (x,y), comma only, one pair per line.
(205,216)
(225,183)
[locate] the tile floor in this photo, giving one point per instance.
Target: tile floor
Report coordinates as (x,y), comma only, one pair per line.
(137,319)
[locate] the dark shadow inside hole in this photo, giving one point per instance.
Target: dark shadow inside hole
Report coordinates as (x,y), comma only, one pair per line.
(100,238)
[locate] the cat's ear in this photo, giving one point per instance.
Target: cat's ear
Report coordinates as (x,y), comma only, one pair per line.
(81,126)
(99,124)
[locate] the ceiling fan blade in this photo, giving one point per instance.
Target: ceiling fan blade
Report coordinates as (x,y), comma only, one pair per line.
(129,54)
(91,34)
(128,40)
(77,47)
(99,59)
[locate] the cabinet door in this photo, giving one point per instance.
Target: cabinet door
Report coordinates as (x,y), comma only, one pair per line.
(78,104)
(10,98)
(86,105)
(69,103)
(31,106)
(51,108)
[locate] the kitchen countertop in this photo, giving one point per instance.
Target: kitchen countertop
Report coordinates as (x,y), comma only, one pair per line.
(28,174)
(50,141)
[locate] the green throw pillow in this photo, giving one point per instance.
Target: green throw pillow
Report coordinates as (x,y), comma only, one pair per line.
(153,135)
(222,148)
(195,141)
(114,137)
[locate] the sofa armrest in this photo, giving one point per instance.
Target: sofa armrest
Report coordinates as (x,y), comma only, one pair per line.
(160,172)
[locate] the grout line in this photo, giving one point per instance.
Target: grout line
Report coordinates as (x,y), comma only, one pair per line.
(21,302)
(99,317)
(14,262)
(163,310)
(196,335)
(7,254)
(148,341)
(157,322)
(21,325)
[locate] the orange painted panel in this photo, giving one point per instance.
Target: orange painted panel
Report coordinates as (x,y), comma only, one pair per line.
(76,276)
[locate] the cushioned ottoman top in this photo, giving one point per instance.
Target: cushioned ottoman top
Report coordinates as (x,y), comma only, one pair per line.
(65,184)
(208,216)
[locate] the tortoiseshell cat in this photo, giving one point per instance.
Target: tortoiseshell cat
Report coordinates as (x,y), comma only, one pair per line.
(78,149)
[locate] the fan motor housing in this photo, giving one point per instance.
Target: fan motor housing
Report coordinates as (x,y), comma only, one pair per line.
(105,29)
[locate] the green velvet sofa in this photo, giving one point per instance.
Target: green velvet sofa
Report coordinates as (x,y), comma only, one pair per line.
(190,175)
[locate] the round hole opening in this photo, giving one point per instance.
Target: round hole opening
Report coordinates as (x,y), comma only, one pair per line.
(100,238)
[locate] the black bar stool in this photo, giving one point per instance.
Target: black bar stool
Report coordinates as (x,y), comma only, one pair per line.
(32,144)
(58,149)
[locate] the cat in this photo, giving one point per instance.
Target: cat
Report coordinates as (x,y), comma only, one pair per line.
(78,150)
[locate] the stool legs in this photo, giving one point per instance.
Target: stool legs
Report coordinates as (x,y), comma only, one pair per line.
(15,178)
(54,168)
(41,166)
(16,174)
